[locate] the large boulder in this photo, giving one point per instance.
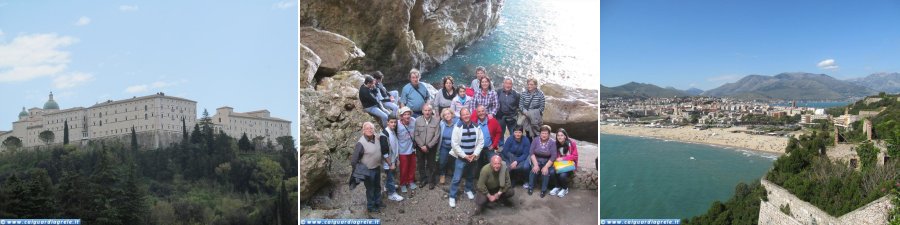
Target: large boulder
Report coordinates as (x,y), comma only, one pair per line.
(330,121)
(309,64)
(573,109)
(403,34)
(335,51)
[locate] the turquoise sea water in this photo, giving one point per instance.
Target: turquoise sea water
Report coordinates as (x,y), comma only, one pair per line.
(652,178)
(553,41)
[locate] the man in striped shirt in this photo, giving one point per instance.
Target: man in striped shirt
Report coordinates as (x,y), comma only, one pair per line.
(466,144)
(531,103)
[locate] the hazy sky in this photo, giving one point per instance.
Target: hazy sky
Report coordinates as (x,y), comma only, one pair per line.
(705,44)
(239,54)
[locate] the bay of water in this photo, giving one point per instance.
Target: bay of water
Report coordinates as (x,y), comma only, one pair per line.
(553,41)
(653,178)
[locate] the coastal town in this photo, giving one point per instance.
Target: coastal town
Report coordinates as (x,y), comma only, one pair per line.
(755,125)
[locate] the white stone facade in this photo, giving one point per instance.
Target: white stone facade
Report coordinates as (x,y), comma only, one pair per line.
(255,124)
(157,120)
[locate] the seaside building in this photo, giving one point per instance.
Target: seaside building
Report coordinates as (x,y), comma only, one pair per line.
(156,119)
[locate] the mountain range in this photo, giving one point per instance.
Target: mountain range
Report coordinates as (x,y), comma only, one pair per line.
(640,90)
(785,86)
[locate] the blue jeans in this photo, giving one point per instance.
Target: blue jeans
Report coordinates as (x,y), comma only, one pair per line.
(389,182)
(462,166)
(523,168)
(376,112)
(506,124)
(545,180)
(444,160)
(373,189)
(393,107)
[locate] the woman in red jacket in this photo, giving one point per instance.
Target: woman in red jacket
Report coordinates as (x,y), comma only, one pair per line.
(567,150)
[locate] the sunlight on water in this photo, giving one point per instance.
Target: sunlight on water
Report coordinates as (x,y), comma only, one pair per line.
(553,41)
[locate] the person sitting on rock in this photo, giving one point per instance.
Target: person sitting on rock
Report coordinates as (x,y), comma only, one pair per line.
(446,94)
(387,100)
(493,185)
(414,94)
(516,151)
(465,145)
(405,131)
(369,102)
(543,153)
(461,101)
(448,122)
(364,162)
(567,151)
(531,103)
(389,148)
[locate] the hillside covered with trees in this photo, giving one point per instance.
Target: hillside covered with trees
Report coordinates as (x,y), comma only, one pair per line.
(208,178)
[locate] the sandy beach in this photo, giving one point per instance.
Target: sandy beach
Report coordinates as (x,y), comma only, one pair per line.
(711,136)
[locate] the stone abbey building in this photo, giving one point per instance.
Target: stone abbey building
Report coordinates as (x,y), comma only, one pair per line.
(157,121)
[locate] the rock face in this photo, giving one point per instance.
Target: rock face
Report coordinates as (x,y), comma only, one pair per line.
(403,34)
(335,51)
(572,109)
(309,63)
(330,121)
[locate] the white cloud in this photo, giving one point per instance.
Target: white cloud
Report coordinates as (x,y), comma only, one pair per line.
(127,8)
(136,89)
(285,4)
(71,80)
(84,20)
(827,64)
(32,56)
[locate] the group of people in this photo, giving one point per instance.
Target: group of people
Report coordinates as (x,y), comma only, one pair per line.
(458,132)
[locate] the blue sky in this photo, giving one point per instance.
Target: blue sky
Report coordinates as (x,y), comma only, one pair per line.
(705,44)
(239,54)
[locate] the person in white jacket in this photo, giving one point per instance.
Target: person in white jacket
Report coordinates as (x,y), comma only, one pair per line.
(466,145)
(391,144)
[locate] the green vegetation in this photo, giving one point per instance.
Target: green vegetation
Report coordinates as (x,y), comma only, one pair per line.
(12,143)
(205,179)
(742,208)
(47,137)
(807,173)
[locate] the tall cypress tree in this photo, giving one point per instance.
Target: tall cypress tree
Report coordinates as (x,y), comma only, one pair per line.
(184,133)
(66,132)
(134,142)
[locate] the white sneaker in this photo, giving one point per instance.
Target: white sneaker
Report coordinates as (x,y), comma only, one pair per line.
(403,189)
(554,191)
(563,192)
(525,186)
(395,197)
(452,203)
(412,186)
(470,195)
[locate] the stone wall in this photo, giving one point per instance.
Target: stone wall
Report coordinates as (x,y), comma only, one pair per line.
(802,212)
